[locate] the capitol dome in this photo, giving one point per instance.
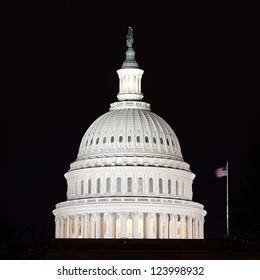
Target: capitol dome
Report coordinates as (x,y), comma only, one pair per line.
(130,128)
(129,179)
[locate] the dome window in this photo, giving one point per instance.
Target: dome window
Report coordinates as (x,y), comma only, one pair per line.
(82,187)
(172,143)
(160,186)
(112,139)
(138,139)
(177,188)
(129,139)
(150,185)
(120,139)
(86,143)
(169,187)
(89,186)
(129,185)
(140,185)
(98,185)
(108,185)
(91,142)
(154,140)
(167,140)
(104,140)
(118,185)
(97,141)
(146,139)
(161,140)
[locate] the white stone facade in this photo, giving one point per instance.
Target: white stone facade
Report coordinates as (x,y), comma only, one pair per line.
(129,179)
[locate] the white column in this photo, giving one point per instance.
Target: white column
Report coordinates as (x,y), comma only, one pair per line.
(92,226)
(111,225)
(57,228)
(195,228)
(71,226)
(190,227)
(123,225)
(68,227)
(81,225)
(135,225)
(161,223)
(201,232)
(148,226)
(62,227)
(183,221)
(173,225)
(76,224)
(98,225)
(85,226)
(166,218)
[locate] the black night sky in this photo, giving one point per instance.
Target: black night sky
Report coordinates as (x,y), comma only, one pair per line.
(201,74)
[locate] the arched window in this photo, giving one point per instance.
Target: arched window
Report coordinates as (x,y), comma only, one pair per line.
(97,141)
(91,141)
(172,143)
(161,140)
(140,185)
(112,139)
(82,187)
(146,139)
(98,185)
(118,184)
(120,139)
(160,185)
(104,140)
(138,139)
(167,141)
(177,187)
(108,185)
(129,139)
(86,143)
(129,184)
(150,185)
(169,187)
(89,186)
(154,140)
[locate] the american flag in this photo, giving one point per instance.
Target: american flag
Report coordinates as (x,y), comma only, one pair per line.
(221,172)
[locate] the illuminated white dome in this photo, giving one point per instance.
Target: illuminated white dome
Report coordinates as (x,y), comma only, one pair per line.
(129,179)
(131,129)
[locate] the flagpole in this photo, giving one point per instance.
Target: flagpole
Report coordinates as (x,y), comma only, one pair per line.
(227,203)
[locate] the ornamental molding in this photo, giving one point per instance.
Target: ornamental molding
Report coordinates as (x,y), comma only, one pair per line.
(129,161)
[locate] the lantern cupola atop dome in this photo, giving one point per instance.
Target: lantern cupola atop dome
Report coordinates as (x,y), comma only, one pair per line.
(130,74)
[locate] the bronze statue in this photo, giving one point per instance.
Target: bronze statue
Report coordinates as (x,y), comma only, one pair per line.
(129,37)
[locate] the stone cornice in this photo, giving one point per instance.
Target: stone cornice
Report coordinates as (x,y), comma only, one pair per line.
(129,161)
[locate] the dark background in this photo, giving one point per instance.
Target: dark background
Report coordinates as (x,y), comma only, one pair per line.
(201,74)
